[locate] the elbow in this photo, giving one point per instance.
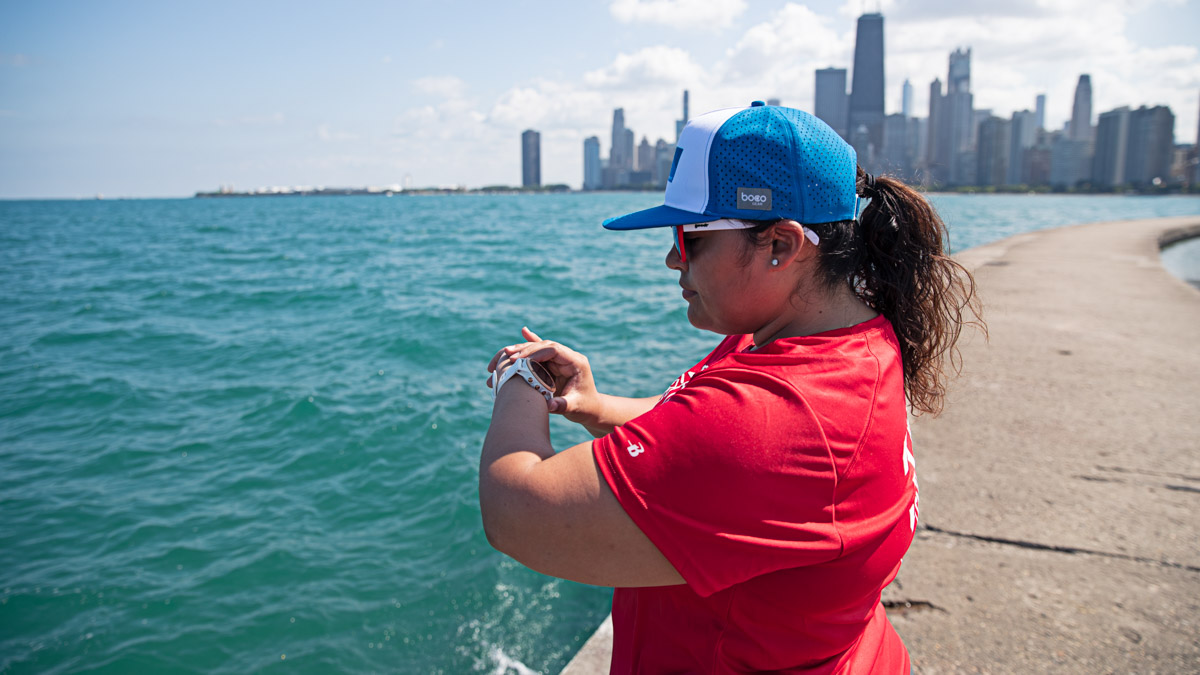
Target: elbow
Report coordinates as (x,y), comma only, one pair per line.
(492,528)
(497,522)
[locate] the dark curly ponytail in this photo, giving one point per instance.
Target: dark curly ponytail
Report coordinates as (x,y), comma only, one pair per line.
(894,258)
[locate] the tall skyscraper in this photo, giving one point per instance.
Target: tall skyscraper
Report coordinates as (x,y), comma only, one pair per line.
(1040,111)
(896,157)
(1070,161)
(1112,142)
(960,117)
(1081,112)
(645,156)
(866,89)
(592,167)
(992,156)
(531,158)
(680,123)
(1023,137)
(1151,145)
(906,99)
(620,155)
(830,103)
(664,154)
(934,160)
(1196,154)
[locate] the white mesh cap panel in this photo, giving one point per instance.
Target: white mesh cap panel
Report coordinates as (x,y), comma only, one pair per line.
(688,190)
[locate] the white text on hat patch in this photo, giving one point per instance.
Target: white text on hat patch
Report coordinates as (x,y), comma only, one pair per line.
(758,199)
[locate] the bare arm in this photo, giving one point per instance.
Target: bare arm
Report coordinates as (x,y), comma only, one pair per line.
(554,512)
(613,411)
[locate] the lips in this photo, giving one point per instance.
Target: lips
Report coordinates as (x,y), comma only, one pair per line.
(688,293)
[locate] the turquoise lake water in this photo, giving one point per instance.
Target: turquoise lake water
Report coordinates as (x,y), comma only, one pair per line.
(243,434)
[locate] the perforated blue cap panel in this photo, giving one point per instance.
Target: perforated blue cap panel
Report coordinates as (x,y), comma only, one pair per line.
(757,163)
(809,170)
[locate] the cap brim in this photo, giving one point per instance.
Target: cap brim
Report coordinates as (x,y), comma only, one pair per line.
(658,216)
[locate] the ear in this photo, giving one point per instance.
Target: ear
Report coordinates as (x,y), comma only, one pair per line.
(789,245)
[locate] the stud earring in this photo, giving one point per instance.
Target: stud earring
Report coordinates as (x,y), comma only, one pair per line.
(774,262)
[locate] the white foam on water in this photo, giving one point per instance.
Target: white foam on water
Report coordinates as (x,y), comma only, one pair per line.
(505,664)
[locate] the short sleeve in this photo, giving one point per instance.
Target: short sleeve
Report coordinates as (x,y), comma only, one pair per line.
(731,478)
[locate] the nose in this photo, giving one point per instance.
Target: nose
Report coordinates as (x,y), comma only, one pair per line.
(673,261)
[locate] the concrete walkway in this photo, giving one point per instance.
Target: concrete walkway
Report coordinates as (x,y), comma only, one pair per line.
(1060,490)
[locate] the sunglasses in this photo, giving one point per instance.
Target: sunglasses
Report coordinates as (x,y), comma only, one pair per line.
(722,224)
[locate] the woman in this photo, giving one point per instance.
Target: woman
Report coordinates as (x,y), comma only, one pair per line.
(750,517)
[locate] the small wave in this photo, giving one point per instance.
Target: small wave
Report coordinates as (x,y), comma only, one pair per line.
(503,664)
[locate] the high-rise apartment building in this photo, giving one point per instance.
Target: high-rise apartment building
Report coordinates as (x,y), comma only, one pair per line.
(950,157)
(898,153)
(1023,136)
(1070,161)
(1134,147)
(866,89)
(664,155)
(645,156)
(1112,142)
(531,158)
(830,102)
(1081,111)
(1151,146)
(620,155)
(934,162)
(680,123)
(992,154)
(593,168)
(960,117)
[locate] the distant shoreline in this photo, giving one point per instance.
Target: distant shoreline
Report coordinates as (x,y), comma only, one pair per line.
(563,189)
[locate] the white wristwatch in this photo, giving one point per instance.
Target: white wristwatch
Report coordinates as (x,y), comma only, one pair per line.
(532,373)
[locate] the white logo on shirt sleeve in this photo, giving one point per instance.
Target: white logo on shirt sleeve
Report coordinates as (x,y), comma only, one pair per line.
(910,461)
(635,449)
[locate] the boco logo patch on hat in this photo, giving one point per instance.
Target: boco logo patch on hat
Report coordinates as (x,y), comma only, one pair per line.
(758,199)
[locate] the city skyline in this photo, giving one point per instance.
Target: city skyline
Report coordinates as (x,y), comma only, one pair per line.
(149,100)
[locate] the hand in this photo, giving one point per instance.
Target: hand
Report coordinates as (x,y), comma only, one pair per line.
(575,393)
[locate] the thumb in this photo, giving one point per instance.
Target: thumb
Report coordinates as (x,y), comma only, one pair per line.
(558,404)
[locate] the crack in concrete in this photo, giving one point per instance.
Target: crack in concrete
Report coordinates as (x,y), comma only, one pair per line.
(1147,472)
(1071,550)
(1143,483)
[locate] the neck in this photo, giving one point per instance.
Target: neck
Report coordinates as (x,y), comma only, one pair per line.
(821,312)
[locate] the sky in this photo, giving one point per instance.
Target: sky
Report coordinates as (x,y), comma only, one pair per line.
(164,99)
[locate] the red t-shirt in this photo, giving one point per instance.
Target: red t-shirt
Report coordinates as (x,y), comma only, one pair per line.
(781,485)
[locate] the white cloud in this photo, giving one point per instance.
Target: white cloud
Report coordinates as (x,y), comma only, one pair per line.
(649,67)
(683,14)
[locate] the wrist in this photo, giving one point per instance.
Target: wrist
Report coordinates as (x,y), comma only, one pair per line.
(529,372)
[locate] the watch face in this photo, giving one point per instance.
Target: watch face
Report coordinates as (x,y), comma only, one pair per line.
(542,374)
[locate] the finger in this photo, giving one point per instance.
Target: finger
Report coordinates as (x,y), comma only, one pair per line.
(558,405)
(509,350)
(529,335)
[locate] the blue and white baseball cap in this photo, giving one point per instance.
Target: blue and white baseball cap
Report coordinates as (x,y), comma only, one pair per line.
(755,163)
